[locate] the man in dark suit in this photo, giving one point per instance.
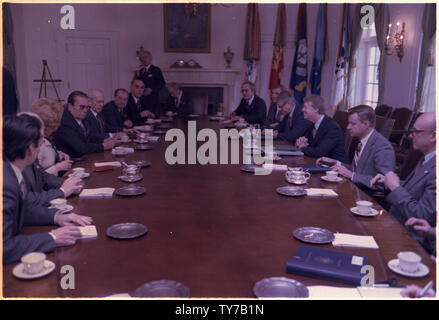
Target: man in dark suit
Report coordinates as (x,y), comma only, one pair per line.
(153,79)
(138,110)
(251,108)
(374,153)
(94,121)
(178,100)
(326,138)
(416,196)
(292,125)
(274,112)
(21,143)
(116,114)
(71,136)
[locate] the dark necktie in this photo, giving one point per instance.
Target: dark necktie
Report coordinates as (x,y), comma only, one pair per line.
(314,131)
(83,128)
(101,122)
(22,189)
(143,72)
(277,116)
(357,155)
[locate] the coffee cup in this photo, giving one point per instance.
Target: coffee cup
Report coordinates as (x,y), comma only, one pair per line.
(59,203)
(33,262)
(78,172)
(169,113)
(409,261)
(364,206)
(332,175)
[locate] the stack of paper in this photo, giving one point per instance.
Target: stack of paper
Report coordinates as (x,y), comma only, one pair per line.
(350,240)
(153,138)
(273,166)
(110,163)
(97,192)
(122,150)
(321,192)
(327,292)
(88,232)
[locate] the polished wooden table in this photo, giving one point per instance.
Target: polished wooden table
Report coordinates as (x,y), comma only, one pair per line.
(215,228)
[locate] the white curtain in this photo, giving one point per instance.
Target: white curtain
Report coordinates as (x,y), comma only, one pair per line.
(428,95)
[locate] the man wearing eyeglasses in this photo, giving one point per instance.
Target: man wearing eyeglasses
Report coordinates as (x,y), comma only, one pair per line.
(416,196)
(71,137)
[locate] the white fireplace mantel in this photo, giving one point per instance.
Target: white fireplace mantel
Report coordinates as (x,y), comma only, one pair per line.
(201,77)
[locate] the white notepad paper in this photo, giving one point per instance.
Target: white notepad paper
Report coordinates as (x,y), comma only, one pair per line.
(110,163)
(96,192)
(88,232)
(321,192)
(350,240)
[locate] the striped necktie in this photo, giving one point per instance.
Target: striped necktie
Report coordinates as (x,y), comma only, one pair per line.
(22,189)
(357,155)
(101,122)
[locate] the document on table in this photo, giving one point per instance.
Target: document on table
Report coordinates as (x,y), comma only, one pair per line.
(328,292)
(321,192)
(350,240)
(97,192)
(88,232)
(110,163)
(273,166)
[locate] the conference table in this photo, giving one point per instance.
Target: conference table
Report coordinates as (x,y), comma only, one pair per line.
(214,228)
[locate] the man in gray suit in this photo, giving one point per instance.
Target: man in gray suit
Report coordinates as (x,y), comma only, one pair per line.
(416,196)
(21,143)
(374,153)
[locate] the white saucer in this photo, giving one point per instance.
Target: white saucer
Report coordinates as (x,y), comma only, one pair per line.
(84,175)
(339,179)
(67,208)
(372,212)
(422,271)
(20,273)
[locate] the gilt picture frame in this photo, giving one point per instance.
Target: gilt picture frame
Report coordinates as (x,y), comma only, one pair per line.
(187,27)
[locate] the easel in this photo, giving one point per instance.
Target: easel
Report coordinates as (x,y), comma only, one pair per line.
(44,80)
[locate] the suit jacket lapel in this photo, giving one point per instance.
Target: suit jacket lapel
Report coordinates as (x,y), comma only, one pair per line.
(320,130)
(365,154)
(419,173)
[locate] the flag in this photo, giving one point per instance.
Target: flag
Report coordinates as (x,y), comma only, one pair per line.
(341,64)
(299,73)
(252,47)
(320,50)
(277,63)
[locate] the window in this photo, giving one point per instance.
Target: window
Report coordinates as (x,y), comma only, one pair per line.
(366,79)
(428,97)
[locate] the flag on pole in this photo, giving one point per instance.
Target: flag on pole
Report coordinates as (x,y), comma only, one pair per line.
(320,50)
(341,64)
(299,72)
(277,63)
(252,47)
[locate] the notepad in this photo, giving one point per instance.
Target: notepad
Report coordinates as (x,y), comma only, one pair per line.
(354,241)
(275,166)
(110,163)
(88,232)
(328,292)
(96,192)
(321,192)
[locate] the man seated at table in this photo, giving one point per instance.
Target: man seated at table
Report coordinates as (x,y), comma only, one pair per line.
(424,230)
(71,137)
(179,101)
(21,142)
(251,108)
(138,110)
(274,112)
(374,153)
(326,138)
(416,196)
(293,125)
(94,120)
(116,115)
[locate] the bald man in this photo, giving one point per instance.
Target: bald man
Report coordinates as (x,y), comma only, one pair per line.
(416,196)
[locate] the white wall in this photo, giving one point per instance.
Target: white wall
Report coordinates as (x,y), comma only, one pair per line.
(142,24)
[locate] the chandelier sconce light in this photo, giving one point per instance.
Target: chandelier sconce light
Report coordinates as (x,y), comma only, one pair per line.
(395,42)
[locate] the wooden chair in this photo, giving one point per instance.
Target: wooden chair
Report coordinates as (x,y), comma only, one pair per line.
(402,117)
(384,126)
(409,163)
(383,110)
(342,119)
(200,103)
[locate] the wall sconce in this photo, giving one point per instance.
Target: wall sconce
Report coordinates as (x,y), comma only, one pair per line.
(395,43)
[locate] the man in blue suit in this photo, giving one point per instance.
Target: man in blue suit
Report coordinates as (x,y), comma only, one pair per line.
(94,121)
(22,139)
(116,113)
(292,125)
(326,138)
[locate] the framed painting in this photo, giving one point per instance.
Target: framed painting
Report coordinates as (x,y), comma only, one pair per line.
(187,27)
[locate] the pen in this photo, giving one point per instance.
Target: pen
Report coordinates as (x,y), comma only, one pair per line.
(425,290)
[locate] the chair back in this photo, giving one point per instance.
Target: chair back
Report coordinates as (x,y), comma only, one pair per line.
(341,117)
(384,126)
(402,118)
(200,103)
(383,110)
